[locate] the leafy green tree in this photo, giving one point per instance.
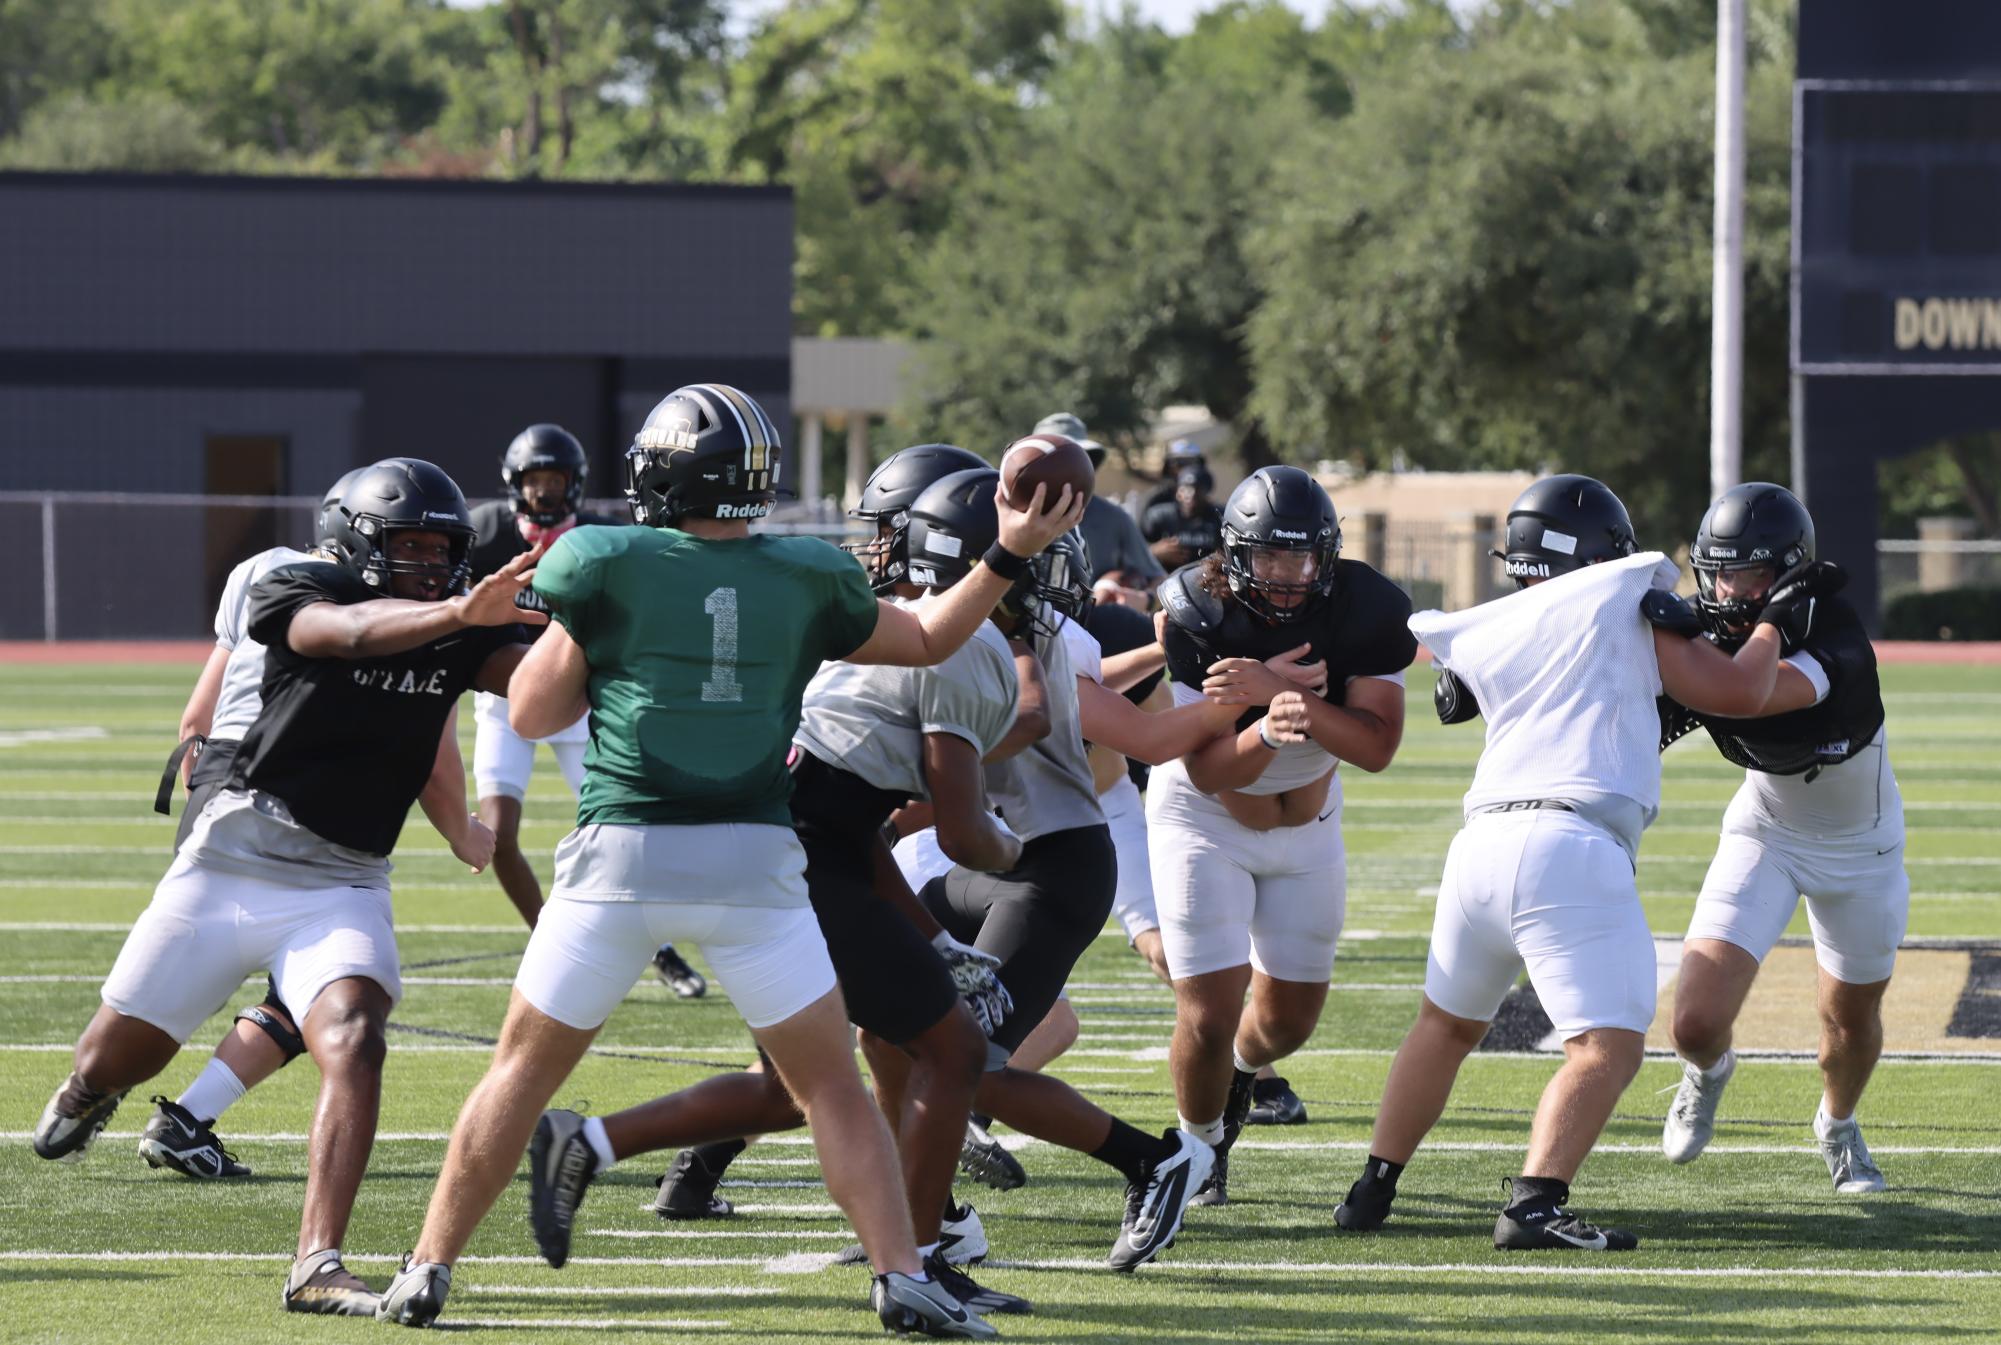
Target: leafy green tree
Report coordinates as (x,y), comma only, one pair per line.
(147,132)
(1502,259)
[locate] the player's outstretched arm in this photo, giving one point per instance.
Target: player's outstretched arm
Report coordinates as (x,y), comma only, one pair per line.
(444,801)
(198,716)
(1123,672)
(383,626)
(550,687)
(1110,720)
(1711,682)
(924,639)
(1032,720)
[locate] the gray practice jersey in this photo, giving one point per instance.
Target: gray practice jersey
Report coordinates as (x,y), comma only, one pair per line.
(870,719)
(242,694)
(1048,788)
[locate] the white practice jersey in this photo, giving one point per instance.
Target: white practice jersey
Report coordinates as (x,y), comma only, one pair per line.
(1566,678)
(242,696)
(870,719)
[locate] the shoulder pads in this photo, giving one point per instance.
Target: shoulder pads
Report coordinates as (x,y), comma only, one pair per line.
(1190,606)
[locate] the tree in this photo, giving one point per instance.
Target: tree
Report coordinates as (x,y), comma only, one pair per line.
(1503,260)
(146,133)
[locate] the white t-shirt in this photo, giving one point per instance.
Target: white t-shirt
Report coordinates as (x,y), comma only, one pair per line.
(1566,678)
(241,699)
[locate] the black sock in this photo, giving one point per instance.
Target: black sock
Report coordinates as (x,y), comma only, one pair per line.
(1382,1171)
(1131,1151)
(717,1157)
(952,1210)
(1536,1190)
(983,1122)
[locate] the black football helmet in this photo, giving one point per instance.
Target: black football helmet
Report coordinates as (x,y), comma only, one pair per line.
(706,451)
(1062,581)
(1563,523)
(399,495)
(886,499)
(324,521)
(1755,524)
(952,523)
(544,448)
(1279,509)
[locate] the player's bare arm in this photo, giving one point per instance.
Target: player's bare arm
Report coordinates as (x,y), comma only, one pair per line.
(444,802)
(923,640)
(968,832)
(1110,720)
(198,716)
(548,690)
(1123,672)
(384,626)
(1709,681)
(1031,720)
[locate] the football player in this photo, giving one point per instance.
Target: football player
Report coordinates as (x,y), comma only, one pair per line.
(1565,671)
(692,641)
(1818,815)
(1187,527)
(543,471)
(180,1134)
(1245,833)
(871,738)
(287,866)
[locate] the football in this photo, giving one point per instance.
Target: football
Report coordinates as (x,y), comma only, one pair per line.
(1049,460)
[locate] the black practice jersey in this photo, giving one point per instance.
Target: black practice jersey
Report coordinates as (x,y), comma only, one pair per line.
(1201,532)
(497,540)
(1844,721)
(1119,629)
(1362,629)
(347,744)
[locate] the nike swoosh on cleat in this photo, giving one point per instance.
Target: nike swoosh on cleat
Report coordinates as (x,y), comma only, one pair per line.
(1170,1196)
(1594,1243)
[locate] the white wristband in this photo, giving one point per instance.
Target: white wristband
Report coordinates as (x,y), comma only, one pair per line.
(1264,737)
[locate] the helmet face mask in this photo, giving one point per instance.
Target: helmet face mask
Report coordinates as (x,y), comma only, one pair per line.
(1281,544)
(705,451)
(891,490)
(1751,528)
(1058,585)
(381,526)
(544,448)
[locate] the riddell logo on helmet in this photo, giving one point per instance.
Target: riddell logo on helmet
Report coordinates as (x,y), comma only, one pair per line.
(1723,553)
(1528,569)
(758,510)
(1286,535)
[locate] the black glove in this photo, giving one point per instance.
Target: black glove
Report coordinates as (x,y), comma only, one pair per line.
(1791,606)
(1668,612)
(1453,699)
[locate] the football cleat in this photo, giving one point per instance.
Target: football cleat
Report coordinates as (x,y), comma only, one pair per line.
(1216,1191)
(675,973)
(320,1283)
(961,1241)
(975,1297)
(1273,1103)
(1156,1204)
(906,1305)
(1691,1121)
(688,1190)
(1848,1162)
(1544,1225)
(1366,1208)
(417,1295)
(561,1164)
(175,1139)
(73,1119)
(986,1161)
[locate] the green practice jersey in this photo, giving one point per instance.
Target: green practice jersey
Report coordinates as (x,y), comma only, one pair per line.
(699,651)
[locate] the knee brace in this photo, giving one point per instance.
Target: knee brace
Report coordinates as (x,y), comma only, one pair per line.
(276,1028)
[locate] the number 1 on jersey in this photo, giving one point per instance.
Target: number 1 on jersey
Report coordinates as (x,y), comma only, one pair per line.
(722,685)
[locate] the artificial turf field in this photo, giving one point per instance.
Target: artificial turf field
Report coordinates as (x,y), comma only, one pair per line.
(1748,1243)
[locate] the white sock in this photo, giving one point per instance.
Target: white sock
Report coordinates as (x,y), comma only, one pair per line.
(215,1090)
(599,1141)
(1209,1132)
(1718,1068)
(1824,1125)
(1237,1059)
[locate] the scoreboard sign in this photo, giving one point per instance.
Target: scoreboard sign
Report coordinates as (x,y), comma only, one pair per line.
(1896,227)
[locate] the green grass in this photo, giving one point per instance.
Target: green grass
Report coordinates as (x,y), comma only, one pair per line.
(1748,1244)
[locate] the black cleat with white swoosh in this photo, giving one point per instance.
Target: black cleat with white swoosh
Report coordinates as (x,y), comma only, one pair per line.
(924,1307)
(1545,1226)
(175,1138)
(1155,1205)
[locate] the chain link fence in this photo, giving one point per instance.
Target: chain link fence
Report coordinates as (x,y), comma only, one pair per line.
(108,565)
